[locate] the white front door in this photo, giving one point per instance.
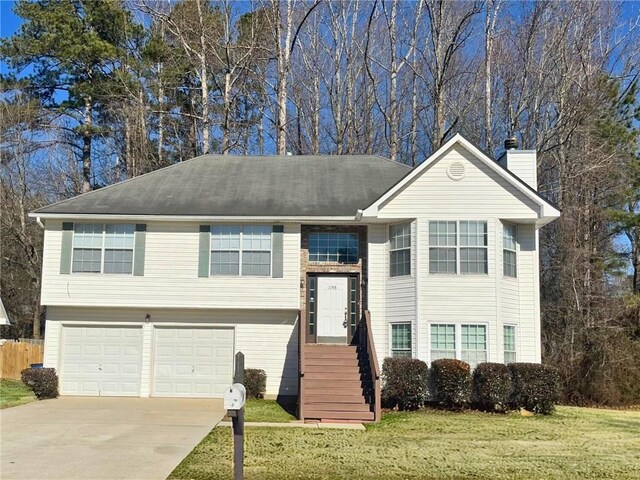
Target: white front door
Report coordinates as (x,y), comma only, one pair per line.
(332,306)
(101,361)
(192,361)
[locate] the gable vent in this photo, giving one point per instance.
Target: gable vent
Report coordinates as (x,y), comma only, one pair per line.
(456,171)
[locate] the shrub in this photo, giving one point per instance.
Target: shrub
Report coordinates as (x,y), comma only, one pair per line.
(404,383)
(450,383)
(255,381)
(535,387)
(43,382)
(491,386)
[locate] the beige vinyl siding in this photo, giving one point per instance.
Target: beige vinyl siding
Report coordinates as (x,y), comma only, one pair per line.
(268,338)
(171,276)
(400,296)
(481,191)
(471,299)
(377,268)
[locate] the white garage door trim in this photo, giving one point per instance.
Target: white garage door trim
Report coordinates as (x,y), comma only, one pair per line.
(192,361)
(101,360)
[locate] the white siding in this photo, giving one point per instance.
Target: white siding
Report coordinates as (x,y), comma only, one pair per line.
(376,255)
(171,276)
(268,338)
(400,295)
(486,299)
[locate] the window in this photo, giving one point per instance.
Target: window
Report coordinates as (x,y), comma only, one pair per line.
(333,247)
(466,342)
(100,248)
(239,250)
(509,338)
(474,344)
(473,248)
(465,242)
(509,247)
(400,339)
(442,247)
(400,250)
(443,341)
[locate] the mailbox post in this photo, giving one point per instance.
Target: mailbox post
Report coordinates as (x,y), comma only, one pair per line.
(234,399)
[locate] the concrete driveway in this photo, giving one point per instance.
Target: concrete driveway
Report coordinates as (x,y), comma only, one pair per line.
(102,438)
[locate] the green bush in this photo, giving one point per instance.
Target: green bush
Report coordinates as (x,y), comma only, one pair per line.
(255,381)
(535,387)
(491,387)
(404,383)
(451,383)
(43,382)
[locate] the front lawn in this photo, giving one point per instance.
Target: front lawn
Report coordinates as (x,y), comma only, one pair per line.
(266,411)
(14,392)
(574,443)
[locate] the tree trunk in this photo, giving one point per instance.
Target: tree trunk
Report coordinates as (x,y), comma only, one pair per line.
(86,145)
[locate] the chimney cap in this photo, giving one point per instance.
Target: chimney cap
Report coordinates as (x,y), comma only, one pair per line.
(511,143)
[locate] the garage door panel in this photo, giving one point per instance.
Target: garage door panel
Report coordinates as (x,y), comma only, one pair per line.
(192,361)
(98,360)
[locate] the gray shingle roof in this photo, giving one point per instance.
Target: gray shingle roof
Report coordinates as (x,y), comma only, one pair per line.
(246,186)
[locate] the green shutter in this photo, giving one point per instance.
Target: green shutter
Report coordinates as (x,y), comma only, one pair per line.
(67,247)
(204,251)
(276,251)
(139,243)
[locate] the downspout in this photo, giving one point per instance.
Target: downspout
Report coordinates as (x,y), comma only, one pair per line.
(39,222)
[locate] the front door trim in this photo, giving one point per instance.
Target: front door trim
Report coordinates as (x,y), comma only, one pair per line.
(353,304)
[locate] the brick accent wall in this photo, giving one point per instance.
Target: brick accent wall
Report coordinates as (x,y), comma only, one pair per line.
(307,267)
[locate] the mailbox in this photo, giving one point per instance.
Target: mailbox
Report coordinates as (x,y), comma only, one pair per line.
(234,397)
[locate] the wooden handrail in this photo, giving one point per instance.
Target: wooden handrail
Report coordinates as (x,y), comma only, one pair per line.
(301,352)
(366,340)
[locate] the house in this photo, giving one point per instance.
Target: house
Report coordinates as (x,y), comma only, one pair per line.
(4,318)
(315,267)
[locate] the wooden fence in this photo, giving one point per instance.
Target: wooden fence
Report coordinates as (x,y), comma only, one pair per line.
(16,356)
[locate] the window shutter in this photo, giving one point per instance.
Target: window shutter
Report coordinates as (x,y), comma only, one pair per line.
(139,243)
(204,252)
(276,251)
(66,251)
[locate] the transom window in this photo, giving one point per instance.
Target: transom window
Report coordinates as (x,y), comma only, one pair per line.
(333,247)
(400,250)
(103,248)
(458,247)
(509,250)
(237,250)
(466,342)
(400,339)
(509,338)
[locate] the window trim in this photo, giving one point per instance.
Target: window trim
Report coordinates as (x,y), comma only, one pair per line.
(505,249)
(458,336)
(103,249)
(240,250)
(515,342)
(410,248)
(457,248)
(411,348)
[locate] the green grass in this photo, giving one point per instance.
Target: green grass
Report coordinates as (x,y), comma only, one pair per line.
(266,411)
(573,443)
(13,393)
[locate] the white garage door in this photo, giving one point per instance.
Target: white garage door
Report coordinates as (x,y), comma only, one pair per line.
(192,362)
(101,361)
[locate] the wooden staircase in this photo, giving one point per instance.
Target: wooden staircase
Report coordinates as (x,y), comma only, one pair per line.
(336,383)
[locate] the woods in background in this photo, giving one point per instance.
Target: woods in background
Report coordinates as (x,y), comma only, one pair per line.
(104,90)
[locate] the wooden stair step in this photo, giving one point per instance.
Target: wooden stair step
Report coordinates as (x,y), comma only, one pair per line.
(332,383)
(337,415)
(329,398)
(350,391)
(330,361)
(351,376)
(330,354)
(335,369)
(337,407)
(329,346)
